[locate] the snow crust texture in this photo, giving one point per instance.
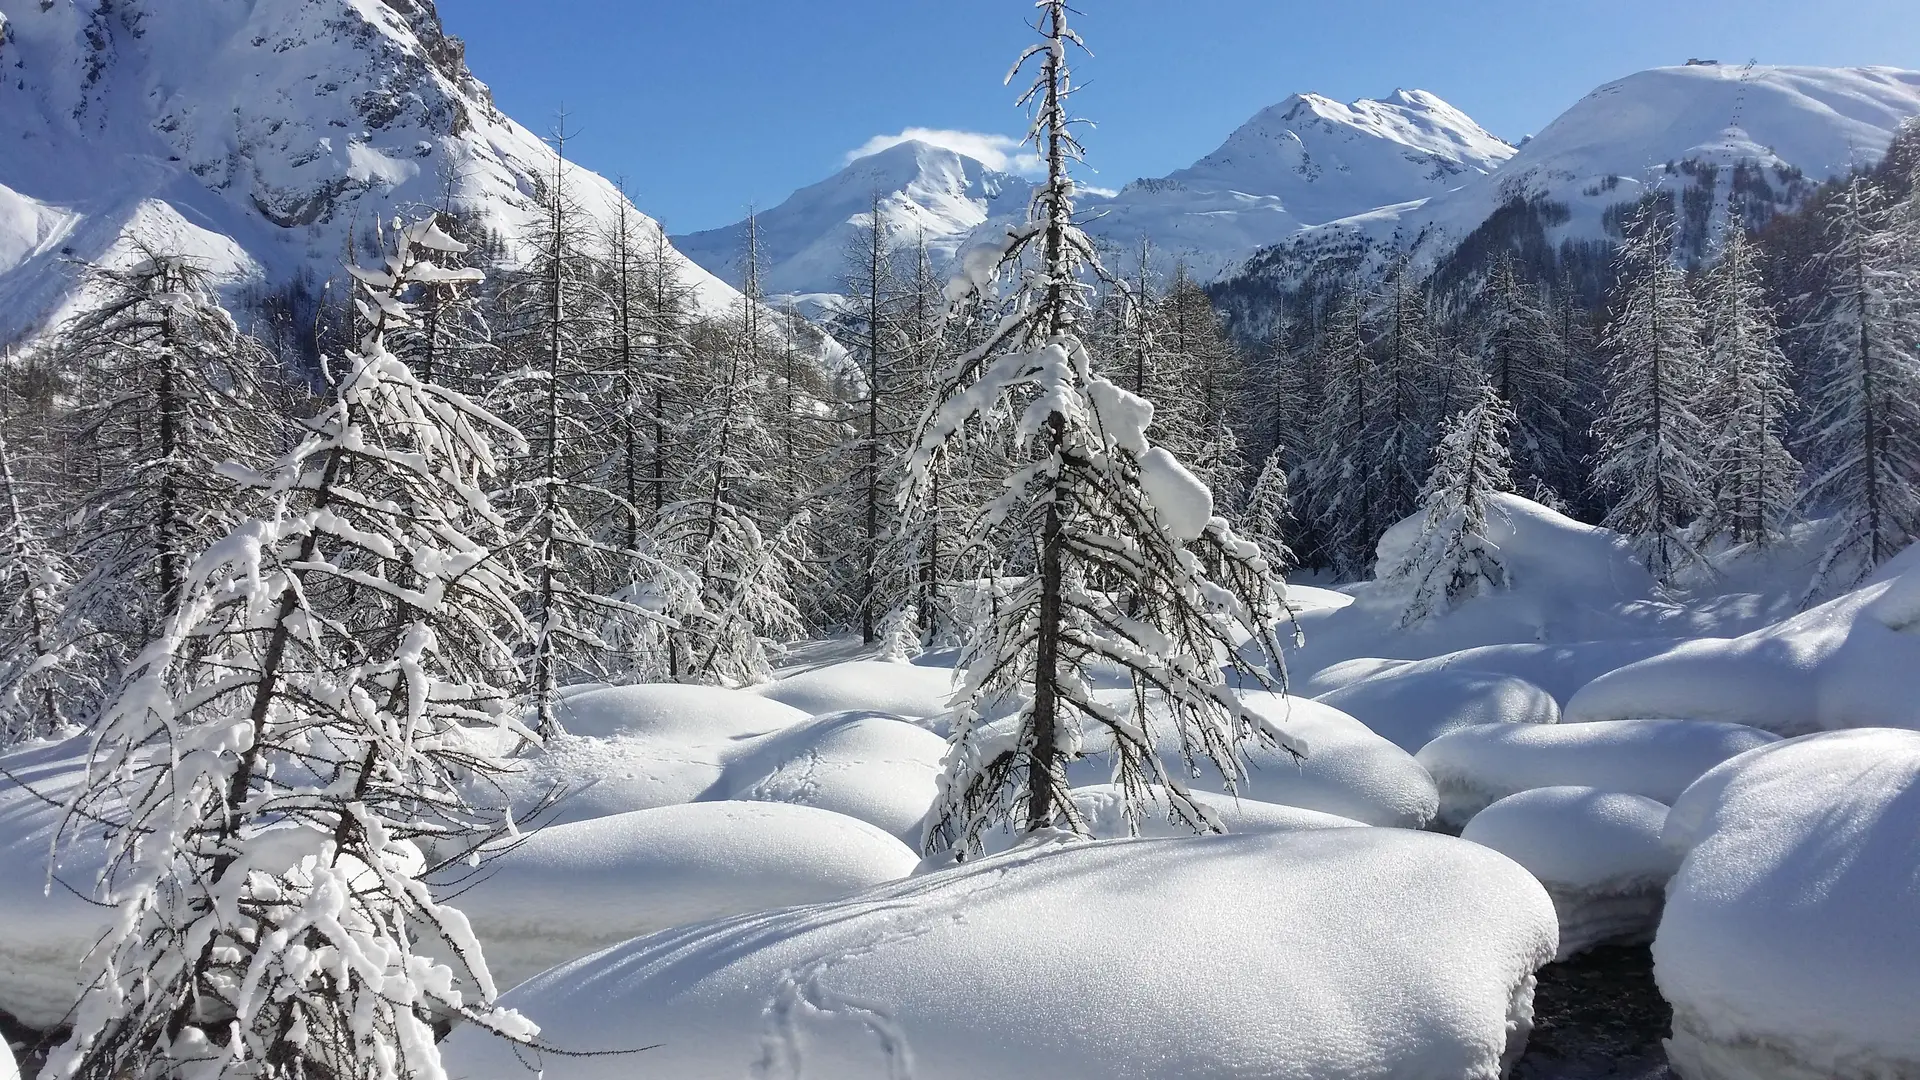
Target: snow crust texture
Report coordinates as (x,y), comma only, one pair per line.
(1333,952)
(1790,948)
(1478,766)
(1598,853)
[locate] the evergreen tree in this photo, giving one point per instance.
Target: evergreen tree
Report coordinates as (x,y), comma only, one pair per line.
(1398,436)
(1269,512)
(1654,452)
(1340,480)
(1866,416)
(283,756)
(1745,399)
(1452,559)
(1520,351)
(1113,536)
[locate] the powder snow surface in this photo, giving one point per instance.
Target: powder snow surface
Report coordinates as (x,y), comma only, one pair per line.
(1791,943)
(1599,854)
(1333,952)
(1477,766)
(571,889)
(44,932)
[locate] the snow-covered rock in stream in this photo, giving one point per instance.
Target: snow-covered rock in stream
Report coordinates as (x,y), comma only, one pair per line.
(1790,947)
(1415,706)
(1478,766)
(1330,952)
(1598,853)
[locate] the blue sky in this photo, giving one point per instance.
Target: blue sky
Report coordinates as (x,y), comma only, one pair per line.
(707,106)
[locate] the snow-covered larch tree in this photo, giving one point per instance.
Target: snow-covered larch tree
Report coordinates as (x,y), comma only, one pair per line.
(1520,351)
(1866,413)
(167,391)
(280,766)
(1106,538)
(39,687)
(1340,477)
(1654,453)
(1744,400)
(1452,559)
(1269,511)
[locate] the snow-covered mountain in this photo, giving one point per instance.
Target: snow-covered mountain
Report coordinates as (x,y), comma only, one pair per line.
(1302,162)
(255,135)
(1698,130)
(921,188)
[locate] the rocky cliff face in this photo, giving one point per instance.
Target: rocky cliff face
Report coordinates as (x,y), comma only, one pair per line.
(258,135)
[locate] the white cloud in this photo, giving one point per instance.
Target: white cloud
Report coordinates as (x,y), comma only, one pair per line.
(999,152)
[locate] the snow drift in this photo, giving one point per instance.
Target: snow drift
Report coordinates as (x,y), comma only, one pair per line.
(1851,662)
(1332,952)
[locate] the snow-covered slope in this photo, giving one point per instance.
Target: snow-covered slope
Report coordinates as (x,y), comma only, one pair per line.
(257,136)
(1683,129)
(1305,161)
(921,188)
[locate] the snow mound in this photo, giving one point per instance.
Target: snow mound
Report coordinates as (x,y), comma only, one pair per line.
(571,889)
(1103,808)
(1413,707)
(1791,943)
(1478,766)
(1349,771)
(1599,854)
(1569,582)
(639,747)
(878,768)
(1366,952)
(905,689)
(1842,664)
(1560,670)
(44,933)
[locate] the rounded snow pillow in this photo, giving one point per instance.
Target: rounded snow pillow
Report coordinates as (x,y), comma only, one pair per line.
(1330,952)
(568,890)
(1477,766)
(879,768)
(1413,708)
(868,685)
(1598,853)
(674,712)
(1791,941)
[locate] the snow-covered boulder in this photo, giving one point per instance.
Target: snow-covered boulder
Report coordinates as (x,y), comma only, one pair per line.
(638,747)
(1477,766)
(1599,854)
(1330,952)
(1790,947)
(1103,808)
(1348,771)
(45,932)
(881,769)
(1413,707)
(1839,665)
(871,685)
(569,890)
